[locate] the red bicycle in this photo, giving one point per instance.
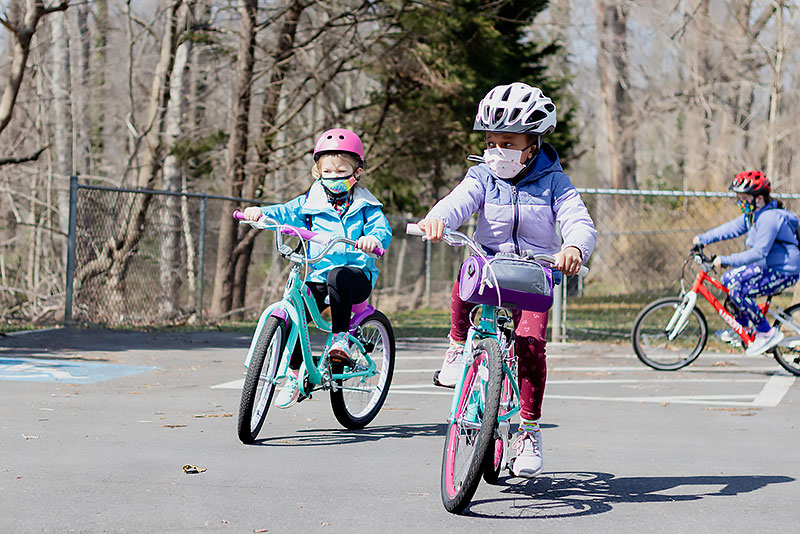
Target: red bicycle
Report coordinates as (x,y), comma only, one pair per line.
(670,333)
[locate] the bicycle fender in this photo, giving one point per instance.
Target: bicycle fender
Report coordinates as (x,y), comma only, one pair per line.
(280,309)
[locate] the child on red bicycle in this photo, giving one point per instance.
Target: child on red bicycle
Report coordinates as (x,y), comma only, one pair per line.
(771,263)
(520,192)
(334,204)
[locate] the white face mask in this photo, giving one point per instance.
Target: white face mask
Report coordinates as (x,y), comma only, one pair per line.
(504,162)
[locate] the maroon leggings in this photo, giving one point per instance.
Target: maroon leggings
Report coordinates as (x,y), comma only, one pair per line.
(529,347)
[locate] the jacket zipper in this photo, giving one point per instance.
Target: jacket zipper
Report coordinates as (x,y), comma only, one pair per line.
(515,202)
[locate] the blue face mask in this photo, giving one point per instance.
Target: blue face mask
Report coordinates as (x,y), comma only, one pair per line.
(747,206)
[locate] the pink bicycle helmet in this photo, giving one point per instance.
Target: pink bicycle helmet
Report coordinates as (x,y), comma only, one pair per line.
(339,140)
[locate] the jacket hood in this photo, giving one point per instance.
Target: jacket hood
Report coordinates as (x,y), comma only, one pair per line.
(546,162)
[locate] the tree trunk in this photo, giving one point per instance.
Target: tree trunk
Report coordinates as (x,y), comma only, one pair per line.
(269,113)
(170,259)
(97,87)
(237,155)
(62,114)
(612,61)
(23,34)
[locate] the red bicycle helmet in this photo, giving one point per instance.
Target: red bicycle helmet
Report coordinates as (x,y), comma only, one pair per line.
(752,182)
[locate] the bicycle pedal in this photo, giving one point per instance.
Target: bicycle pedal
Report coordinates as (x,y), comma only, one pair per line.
(436,381)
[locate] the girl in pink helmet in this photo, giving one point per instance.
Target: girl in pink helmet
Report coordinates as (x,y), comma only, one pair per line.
(337,204)
(520,192)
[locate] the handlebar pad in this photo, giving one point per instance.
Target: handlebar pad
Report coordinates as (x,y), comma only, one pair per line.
(413,229)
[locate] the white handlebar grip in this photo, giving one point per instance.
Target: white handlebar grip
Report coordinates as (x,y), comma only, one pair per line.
(583,271)
(413,229)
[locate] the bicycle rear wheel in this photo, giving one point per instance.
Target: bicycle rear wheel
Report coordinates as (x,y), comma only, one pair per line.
(356,401)
(651,339)
(787,353)
(259,383)
(470,434)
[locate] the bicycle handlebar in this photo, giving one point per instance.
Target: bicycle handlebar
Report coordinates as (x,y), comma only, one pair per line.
(326,240)
(455,238)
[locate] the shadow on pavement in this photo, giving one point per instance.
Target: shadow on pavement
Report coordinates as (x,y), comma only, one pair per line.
(329,436)
(567,494)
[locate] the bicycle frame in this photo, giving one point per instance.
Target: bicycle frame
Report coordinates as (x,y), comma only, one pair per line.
(487,328)
(297,299)
(679,319)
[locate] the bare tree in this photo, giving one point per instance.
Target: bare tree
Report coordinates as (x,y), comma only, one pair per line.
(612,62)
(23,32)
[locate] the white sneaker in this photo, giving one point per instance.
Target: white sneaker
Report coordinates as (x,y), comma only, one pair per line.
(728,335)
(340,349)
(452,365)
(528,462)
(289,393)
(764,341)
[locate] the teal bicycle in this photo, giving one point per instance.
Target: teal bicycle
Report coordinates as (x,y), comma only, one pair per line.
(486,398)
(357,388)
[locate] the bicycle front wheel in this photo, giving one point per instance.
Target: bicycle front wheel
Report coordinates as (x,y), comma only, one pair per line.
(470,434)
(787,353)
(357,400)
(259,383)
(651,340)
(496,458)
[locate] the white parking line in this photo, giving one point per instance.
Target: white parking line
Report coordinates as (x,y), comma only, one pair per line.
(770,396)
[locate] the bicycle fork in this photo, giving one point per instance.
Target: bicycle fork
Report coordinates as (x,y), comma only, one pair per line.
(680,318)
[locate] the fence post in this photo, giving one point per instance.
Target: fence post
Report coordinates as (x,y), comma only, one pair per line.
(201,259)
(73,204)
(556,328)
(428,274)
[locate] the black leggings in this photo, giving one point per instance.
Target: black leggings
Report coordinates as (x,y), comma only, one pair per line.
(346,286)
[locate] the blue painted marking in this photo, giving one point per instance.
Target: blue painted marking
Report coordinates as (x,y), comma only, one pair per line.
(64,372)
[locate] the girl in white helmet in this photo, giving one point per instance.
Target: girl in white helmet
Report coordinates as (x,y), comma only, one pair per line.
(520,192)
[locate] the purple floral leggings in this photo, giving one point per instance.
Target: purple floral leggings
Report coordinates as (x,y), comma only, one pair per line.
(529,347)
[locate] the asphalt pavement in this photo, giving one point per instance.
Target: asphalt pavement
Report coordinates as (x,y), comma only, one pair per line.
(98,426)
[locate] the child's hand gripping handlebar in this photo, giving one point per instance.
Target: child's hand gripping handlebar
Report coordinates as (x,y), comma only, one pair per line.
(457,239)
(327,240)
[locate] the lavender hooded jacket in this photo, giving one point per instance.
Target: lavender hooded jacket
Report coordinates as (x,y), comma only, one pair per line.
(522,216)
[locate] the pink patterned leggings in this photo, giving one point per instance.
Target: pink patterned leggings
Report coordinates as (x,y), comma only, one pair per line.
(529,347)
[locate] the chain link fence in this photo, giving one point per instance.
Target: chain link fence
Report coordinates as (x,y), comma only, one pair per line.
(167,275)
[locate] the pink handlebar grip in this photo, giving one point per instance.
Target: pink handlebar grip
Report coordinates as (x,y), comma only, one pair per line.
(238,215)
(308,235)
(378,251)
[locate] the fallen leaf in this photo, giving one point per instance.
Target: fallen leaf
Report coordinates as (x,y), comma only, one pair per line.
(173,426)
(192,469)
(261,530)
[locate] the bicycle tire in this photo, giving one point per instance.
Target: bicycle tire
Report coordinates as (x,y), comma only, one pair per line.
(787,353)
(496,458)
(650,340)
(357,401)
(474,424)
(259,388)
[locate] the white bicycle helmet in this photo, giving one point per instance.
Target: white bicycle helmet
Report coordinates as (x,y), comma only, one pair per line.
(516,108)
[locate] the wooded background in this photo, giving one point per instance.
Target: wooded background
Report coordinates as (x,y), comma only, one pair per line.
(227,97)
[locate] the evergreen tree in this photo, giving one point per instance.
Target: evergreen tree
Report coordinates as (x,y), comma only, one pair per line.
(439,61)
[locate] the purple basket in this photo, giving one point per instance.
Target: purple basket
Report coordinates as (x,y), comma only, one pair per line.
(524,284)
